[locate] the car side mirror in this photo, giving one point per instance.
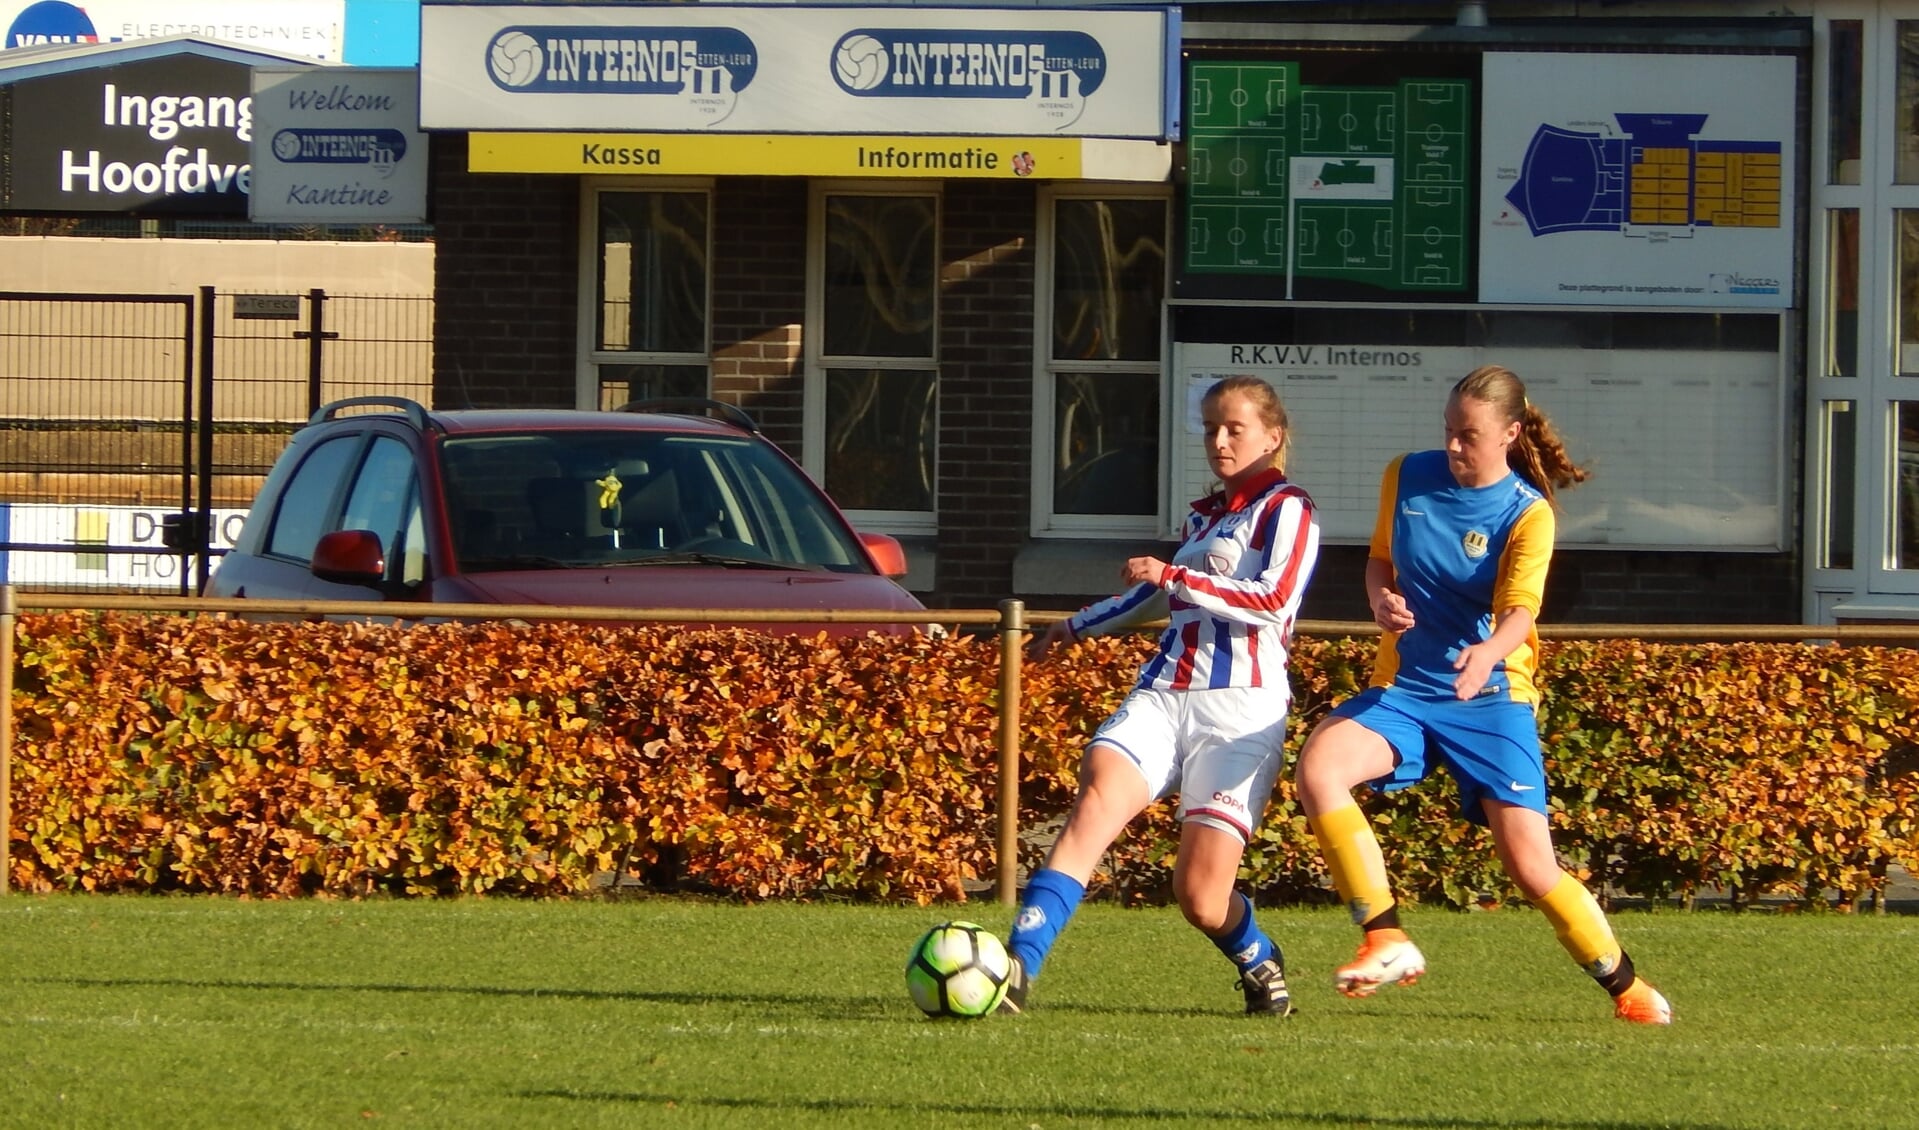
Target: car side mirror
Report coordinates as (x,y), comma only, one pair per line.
(350,557)
(887,554)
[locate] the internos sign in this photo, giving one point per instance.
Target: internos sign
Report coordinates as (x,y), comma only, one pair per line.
(788,69)
(162,136)
(333,145)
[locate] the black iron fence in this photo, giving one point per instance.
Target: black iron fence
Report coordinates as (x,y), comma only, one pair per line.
(135,428)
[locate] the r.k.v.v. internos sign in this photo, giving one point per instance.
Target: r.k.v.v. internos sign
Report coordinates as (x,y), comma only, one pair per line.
(168,136)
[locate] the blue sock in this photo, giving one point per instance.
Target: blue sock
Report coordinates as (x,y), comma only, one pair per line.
(1245,945)
(1048,905)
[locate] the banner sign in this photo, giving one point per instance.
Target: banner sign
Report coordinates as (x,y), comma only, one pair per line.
(167,136)
(87,528)
(680,154)
(296,27)
(715,68)
(335,145)
(1638,180)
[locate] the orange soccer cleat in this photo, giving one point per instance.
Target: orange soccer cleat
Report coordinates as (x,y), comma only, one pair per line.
(1642,1004)
(1386,957)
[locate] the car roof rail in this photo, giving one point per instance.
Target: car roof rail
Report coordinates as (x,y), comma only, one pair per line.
(693,406)
(415,411)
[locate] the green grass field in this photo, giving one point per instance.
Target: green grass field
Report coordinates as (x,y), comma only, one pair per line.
(197,1012)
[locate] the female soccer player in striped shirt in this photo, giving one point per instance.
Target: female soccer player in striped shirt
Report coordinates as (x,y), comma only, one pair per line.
(1455,577)
(1208,714)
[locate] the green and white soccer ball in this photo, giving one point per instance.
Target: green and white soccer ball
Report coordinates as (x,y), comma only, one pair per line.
(958,969)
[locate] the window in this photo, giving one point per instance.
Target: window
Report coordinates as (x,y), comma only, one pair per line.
(1842,292)
(1103,269)
(1905,486)
(307,501)
(625,496)
(385,500)
(1906,103)
(1841,443)
(1846,61)
(1906,251)
(647,323)
(871,345)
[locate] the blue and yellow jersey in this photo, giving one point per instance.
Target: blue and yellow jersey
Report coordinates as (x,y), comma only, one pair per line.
(1460,556)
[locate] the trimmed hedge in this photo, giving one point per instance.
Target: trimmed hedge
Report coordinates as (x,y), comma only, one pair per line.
(277,759)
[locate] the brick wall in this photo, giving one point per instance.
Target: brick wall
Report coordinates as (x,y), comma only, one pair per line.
(986,389)
(759,301)
(506,284)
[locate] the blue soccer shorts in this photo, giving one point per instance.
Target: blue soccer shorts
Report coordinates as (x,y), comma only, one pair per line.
(1490,745)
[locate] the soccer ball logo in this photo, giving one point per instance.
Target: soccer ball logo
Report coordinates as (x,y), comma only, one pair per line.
(860,62)
(959,970)
(516,58)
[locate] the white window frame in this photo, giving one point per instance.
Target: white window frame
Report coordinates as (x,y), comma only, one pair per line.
(816,362)
(1870,588)
(586,392)
(1045,523)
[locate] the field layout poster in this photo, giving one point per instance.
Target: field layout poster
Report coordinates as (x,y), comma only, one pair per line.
(1367,184)
(1637,180)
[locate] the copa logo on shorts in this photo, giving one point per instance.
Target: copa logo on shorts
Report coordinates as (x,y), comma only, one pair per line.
(1230,801)
(1475,544)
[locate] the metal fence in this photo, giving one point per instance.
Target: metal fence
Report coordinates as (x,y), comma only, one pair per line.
(136,428)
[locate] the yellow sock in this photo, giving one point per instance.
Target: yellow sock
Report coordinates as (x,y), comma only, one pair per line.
(1352,855)
(1581,925)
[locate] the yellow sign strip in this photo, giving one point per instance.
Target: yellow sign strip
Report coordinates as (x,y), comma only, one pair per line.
(681,154)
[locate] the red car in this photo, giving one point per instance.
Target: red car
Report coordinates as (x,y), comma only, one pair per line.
(654,506)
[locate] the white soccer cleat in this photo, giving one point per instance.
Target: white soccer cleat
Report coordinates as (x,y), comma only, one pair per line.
(1386,957)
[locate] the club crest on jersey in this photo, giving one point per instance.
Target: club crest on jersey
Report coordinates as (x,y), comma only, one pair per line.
(1475,544)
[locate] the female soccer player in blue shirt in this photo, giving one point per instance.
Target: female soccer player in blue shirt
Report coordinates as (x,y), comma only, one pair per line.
(1455,576)
(1208,713)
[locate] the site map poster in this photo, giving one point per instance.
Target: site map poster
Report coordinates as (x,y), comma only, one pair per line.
(1637,180)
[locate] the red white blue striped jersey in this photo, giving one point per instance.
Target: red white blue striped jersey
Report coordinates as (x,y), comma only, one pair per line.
(1231,593)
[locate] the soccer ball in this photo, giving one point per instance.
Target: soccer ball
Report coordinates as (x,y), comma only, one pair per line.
(958,969)
(860,62)
(516,59)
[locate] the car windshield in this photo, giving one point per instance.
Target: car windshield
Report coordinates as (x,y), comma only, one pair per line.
(630,497)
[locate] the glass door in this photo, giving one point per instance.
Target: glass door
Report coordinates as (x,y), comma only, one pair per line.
(1862,412)
(1889,435)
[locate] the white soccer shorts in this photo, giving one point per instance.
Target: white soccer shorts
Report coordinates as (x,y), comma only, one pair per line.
(1221,748)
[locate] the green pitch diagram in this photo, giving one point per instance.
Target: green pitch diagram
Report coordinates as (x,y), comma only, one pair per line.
(1367,184)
